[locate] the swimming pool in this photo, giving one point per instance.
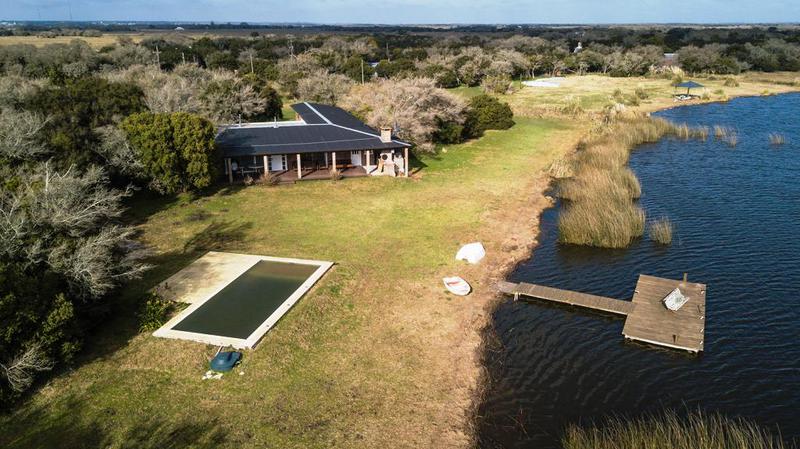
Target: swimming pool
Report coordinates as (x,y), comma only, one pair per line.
(236,298)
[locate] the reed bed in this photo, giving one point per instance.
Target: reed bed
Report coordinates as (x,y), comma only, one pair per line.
(777,139)
(600,198)
(727,135)
(700,133)
(668,431)
(661,231)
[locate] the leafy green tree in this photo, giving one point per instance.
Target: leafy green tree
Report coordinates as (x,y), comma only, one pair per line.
(487,112)
(193,139)
(177,150)
(76,109)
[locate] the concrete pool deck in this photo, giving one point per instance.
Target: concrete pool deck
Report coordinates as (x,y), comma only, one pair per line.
(209,275)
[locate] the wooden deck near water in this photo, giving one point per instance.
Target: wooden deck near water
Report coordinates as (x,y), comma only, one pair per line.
(647,319)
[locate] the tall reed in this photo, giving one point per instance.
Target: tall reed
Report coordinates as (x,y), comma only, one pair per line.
(777,139)
(668,431)
(661,231)
(600,198)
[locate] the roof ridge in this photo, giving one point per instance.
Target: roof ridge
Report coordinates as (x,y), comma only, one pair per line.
(317,112)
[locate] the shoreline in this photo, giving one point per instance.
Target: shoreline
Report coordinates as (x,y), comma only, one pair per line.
(542,203)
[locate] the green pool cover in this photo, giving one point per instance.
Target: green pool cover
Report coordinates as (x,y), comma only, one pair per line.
(244,304)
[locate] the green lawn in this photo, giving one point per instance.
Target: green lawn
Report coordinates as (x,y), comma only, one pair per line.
(376,355)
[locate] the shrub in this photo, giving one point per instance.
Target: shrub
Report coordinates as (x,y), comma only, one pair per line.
(731,82)
(486,112)
(641,93)
(572,106)
(661,231)
(154,312)
(335,175)
(449,132)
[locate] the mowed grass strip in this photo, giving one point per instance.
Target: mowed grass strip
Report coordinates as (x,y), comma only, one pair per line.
(371,357)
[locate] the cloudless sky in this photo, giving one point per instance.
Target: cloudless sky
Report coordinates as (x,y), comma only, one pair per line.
(410,11)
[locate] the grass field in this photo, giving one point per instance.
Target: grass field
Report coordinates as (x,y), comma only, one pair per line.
(594,92)
(96,42)
(377,355)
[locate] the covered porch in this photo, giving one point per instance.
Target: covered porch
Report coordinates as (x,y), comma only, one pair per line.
(317,165)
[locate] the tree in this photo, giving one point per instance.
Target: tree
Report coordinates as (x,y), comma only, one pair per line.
(61,254)
(19,135)
(487,112)
(323,87)
(177,150)
(415,107)
(76,109)
(228,99)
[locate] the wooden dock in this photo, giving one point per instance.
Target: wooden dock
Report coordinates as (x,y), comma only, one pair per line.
(647,319)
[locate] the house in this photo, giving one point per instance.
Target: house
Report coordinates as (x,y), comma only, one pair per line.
(322,139)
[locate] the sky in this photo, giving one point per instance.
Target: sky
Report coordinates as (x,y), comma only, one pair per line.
(410,11)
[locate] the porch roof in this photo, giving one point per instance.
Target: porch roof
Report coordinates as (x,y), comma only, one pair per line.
(322,129)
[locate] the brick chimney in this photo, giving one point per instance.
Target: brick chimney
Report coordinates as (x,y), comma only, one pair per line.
(386,134)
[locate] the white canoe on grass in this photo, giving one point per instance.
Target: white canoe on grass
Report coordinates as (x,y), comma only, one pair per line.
(457,286)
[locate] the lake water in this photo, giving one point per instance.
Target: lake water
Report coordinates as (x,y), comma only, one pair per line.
(737,228)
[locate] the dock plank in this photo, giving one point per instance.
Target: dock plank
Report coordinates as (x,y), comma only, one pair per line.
(647,319)
(653,323)
(568,297)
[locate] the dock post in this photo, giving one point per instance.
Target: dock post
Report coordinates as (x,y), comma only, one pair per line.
(685,277)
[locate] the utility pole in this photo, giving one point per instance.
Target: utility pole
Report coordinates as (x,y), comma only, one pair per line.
(251,62)
(183,58)
(158,58)
(362,70)
(388,57)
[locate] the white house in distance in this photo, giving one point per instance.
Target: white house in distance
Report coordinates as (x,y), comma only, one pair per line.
(323,138)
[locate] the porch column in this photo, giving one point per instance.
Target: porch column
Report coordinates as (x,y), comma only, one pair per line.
(266,164)
(333,155)
(326,159)
(369,152)
(299,168)
(405,161)
(228,170)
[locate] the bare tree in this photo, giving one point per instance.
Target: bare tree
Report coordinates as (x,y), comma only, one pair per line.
(21,370)
(19,135)
(323,87)
(415,107)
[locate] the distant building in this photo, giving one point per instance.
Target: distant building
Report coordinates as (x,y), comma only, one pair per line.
(178,28)
(578,49)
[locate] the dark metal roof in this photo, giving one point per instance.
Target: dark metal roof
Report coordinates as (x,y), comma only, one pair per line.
(325,128)
(689,85)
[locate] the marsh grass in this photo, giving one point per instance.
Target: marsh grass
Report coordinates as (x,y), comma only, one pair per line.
(777,139)
(700,133)
(661,231)
(732,140)
(668,431)
(600,208)
(721,132)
